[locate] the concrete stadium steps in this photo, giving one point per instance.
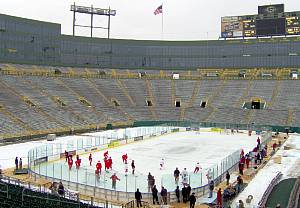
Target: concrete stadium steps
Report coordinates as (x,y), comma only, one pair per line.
(229,115)
(184,91)
(162,92)
(269,117)
(197,114)
(231,93)
(262,89)
(137,90)
(288,95)
(7,126)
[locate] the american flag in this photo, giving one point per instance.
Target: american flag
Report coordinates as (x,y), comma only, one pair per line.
(158,10)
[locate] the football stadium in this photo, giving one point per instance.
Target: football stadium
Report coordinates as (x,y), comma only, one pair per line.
(105,122)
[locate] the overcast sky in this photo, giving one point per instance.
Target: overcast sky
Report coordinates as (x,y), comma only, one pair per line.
(183,19)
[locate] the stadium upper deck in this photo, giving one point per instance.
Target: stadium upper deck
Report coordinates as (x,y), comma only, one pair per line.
(35,42)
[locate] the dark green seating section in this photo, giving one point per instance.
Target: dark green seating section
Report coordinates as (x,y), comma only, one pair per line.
(18,197)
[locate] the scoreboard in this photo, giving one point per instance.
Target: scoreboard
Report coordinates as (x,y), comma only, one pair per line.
(270,20)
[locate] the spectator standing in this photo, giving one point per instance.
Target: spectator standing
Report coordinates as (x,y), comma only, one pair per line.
(227,178)
(138,198)
(219,198)
(17,163)
(177,192)
(164,195)
(192,200)
(20,163)
(184,194)
(188,191)
(211,188)
(155,194)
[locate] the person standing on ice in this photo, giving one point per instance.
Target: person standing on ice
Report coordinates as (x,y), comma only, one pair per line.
(162,163)
(197,168)
(110,163)
(114,179)
(90,159)
(70,163)
(105,154)
(155,194)
(133,167)
(185,177)
(124,158)
(176,175)
(66,155)
(258,142)
(98,168)
(209,175)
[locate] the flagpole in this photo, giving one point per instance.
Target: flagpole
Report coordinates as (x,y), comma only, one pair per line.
(162,22)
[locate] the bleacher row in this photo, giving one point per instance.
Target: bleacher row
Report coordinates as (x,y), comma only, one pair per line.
(29,103)
(14,196)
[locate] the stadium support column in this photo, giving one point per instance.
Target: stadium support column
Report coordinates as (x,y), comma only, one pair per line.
(108,26)
(92,22)
(74,19)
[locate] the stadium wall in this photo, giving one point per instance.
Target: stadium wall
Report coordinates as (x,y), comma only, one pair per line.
(34,42)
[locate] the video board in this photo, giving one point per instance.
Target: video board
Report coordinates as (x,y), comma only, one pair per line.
(267,27)
(271,20)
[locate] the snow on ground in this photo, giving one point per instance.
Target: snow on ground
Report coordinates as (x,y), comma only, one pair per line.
(8,153)
(289,163)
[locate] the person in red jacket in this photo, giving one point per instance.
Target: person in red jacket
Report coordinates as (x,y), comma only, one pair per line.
(274,146)
(110,163)
(219,198)
(77,163)
(105,154)
(242,153)
(98,168)
(106,165)
(70,163)
(124,158)
(247,161)
(114,179)
(90,159)
(258,141)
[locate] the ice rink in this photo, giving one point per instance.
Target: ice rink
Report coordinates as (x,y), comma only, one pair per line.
(181,149)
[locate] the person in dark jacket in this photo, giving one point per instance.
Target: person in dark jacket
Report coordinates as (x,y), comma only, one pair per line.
(155,194)
(177,192)
(176,175)
(227,178)
(184,194)
(17,163)
(138,198)
(192,200)
(188,191)
(211,188)
(164,195)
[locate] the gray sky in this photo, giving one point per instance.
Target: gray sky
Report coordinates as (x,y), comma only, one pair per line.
(183,19)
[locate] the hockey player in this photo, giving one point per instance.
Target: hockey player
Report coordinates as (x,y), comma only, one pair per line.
(90,159)
(162,163)
(114,179)
(105,154)
(197,168)
(124,158)
(106,164)
(258,141)
(242,153)
(133,166)
(78,162)
(66,155)
(110,163)
(70,163)
(185,177)
(98,168)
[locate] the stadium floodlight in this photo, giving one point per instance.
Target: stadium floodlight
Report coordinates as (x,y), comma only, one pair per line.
(92,11)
